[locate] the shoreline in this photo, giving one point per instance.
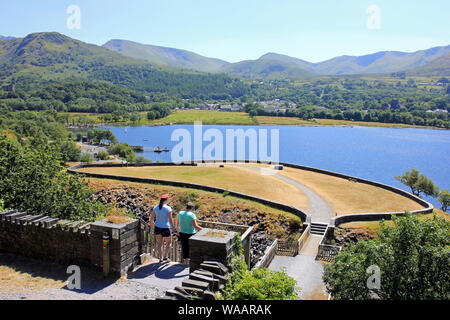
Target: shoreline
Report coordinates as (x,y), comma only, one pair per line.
(241,119)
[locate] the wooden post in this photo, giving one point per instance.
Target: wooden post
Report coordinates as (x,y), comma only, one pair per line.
(106,259)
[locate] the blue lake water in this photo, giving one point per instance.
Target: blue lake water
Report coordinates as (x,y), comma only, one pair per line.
(377,154)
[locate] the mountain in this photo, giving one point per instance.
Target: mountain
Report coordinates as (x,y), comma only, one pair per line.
(274,65)
(438,67)
(265,69)
(380,62)
(165,56)
(41,58)
(3,37)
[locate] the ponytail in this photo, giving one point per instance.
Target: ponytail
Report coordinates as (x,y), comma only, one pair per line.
(161,203)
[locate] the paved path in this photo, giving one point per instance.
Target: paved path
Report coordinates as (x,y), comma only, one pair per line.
(318,208)
(147,283)
(305,270)
(162,275)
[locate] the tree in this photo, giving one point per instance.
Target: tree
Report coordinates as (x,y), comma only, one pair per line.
(444,199)
(412,257)
(70,151)
(32,179)
(418,183)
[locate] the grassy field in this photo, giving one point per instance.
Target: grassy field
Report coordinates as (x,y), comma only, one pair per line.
(346,197)
(209,117)
(232,178)
(342,195)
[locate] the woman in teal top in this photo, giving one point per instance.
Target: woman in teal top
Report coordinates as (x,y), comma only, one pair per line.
(186,224)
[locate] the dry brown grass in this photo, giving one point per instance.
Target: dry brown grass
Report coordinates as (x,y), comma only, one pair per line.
(20,274)
(346,197)
(231,178)
(117,215)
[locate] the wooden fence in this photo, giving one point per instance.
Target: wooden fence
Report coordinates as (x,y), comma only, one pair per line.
(287,248)
(269,254)
(149,243)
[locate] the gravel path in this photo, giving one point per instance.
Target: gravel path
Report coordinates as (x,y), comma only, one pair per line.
(30,279)
(319,209)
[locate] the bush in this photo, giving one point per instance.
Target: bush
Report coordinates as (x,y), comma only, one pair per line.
(142,159)
(86,158)
(412,257)
(103,155)
(32,179)
(259,284)
(124,151)
(70,151)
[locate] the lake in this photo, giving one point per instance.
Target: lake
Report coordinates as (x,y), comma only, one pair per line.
(373,153)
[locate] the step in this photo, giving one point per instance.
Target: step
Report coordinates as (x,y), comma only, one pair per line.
(219,269)
(213,283)
(202,285)
(191,291)
(222,279)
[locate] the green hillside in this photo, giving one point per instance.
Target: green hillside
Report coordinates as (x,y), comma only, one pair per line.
(265,69)
(40,58)
(438,67)
(165,56)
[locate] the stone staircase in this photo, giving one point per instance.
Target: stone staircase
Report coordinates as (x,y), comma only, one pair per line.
(318,228)
(202,284)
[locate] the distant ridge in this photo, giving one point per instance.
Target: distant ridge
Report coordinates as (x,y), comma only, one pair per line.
(278,66)
(165,56)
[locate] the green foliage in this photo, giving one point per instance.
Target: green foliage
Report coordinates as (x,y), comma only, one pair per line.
(32,179)
(123,150)
(444,199)
(259,284)
(142,159)
(158,112)
(2,205)
(412,256)
(98,135)
(69,151)
(86,158)
(103,155)
(418,183)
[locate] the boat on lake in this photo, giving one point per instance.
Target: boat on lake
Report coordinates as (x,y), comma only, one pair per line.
(158,150)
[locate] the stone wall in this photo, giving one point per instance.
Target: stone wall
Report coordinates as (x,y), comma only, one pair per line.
(70,242)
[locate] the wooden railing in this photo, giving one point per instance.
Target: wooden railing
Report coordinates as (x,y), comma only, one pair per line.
(287,248)
(327,252)
(269,254)
(148,243)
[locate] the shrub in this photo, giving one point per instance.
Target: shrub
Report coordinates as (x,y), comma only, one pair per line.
(259,284)
(32,179)
(123,150)
(86,158)
(103,155)
(412,257)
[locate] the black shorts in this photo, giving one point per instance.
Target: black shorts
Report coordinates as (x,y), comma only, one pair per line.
(184,238)
(165,232)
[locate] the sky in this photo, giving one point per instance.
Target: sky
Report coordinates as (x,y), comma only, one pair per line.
(236,30)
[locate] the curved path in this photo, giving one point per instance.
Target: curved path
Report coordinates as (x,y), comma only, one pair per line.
(319,209)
